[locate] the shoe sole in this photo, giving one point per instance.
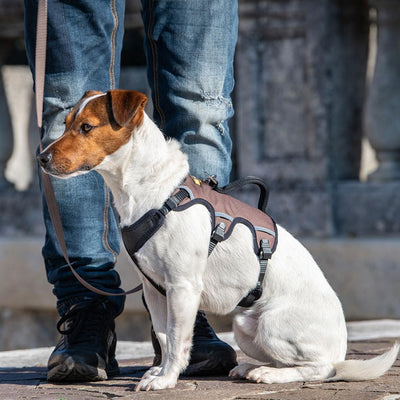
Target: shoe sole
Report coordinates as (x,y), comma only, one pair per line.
(72,371)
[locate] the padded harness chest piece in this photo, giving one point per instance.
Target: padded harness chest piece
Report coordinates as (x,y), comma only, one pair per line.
(225,212)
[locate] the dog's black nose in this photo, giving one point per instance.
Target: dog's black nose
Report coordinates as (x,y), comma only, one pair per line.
(44,158)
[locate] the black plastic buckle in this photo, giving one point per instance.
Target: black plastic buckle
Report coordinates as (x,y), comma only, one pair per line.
(251,297)
(218,233)
(173,202)
(265,250)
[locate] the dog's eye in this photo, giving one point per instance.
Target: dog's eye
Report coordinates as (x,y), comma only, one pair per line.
(86,128)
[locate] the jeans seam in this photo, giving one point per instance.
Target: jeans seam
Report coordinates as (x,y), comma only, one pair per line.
(105,240)
(112,39)
(154,53)
(106,224)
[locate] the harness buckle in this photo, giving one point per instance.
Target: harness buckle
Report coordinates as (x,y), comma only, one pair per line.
(264,255)
(218,233)
(217,236)
(173,201)
(265,250)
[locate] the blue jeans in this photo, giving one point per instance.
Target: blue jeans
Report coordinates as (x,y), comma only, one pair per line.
(190,48)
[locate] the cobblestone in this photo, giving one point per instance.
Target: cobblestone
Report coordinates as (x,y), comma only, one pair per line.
(30,383)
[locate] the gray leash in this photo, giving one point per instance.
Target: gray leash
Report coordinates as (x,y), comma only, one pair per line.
(40,69)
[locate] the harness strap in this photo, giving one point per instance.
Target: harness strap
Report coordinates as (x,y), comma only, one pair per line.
(264,255)
(174,201)
(217,235)
(265,251)
(136,235)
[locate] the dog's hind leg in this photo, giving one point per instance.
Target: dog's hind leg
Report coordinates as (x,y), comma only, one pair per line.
(247,333)
(245,327)
(309,372)
(245,330)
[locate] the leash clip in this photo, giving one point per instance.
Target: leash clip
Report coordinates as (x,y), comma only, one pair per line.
(211,180)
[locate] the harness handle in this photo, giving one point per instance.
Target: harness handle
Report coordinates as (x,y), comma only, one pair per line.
(238,184)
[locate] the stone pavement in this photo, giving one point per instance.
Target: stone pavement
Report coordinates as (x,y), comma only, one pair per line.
(30,383)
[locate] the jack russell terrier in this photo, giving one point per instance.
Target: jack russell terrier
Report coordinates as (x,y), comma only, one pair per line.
(296,328)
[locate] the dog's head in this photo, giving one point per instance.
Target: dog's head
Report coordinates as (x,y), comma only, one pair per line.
(96,127)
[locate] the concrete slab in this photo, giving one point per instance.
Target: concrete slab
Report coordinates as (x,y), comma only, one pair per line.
(365,273)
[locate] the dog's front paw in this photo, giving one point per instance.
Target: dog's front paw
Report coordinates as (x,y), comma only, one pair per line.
(152,382)
(153,371)
(262,374)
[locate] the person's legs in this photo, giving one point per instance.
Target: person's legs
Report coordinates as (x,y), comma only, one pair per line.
(190,48)
(83,51)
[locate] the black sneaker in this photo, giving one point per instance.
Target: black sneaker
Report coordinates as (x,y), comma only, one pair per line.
(210,356)
(86,349)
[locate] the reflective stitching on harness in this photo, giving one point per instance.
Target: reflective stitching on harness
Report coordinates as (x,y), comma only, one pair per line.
(262,229)
(223,215)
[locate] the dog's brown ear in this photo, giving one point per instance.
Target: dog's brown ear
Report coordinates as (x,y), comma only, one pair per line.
(125,105)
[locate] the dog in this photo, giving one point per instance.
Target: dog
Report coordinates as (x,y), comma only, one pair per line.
(296,328)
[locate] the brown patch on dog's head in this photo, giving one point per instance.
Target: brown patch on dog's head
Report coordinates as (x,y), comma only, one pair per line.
(97,126)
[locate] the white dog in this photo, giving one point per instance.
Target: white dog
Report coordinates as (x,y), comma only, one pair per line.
(297,327)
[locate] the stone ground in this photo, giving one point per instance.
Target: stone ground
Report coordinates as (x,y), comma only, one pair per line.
(30,383)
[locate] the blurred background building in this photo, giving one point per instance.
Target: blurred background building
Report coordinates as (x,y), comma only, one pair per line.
(317,103)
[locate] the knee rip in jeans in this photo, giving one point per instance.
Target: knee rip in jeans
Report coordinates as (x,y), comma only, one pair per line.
(208,97)
(220,127)
(212,99)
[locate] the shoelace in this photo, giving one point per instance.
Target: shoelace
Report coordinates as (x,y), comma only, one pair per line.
(82,321)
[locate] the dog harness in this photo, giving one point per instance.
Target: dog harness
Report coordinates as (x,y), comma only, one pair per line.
(225,211)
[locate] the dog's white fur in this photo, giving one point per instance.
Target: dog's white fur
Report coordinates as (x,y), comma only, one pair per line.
(297,328)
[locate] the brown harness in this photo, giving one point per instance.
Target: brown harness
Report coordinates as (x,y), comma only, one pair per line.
(225,212)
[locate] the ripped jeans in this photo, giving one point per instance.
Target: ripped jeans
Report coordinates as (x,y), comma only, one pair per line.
(189,45)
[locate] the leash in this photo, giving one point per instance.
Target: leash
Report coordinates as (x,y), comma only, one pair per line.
(40,69)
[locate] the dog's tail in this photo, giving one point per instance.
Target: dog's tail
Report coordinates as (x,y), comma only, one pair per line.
(362,370)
